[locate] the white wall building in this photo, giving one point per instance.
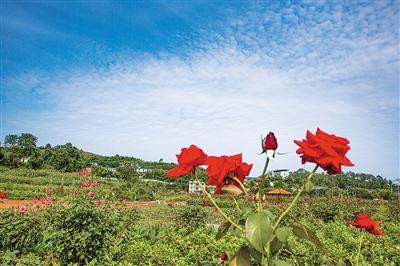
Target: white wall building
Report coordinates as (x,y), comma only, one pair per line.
(194,188)
(283,173)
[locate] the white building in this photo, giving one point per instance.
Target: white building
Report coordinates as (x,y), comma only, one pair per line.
(195,188)
(283,173)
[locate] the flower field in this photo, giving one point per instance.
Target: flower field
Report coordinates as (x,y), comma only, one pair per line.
(82,219)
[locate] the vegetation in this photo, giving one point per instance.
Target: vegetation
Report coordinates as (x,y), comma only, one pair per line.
(84,222)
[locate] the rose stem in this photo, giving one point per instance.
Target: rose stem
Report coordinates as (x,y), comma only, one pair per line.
(214,203)
(245,192)
(295,199)
(265,167)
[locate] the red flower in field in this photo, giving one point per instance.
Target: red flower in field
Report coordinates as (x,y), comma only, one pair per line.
(327,151)
(206,202)
(44,200)
(187,159)
(49,191)
(85,183)
(364,221)
(22,209)
(269,142)
(90,194)
(221,168)
(3,195)
(223,256)
(49,199)
(35,200)
(94,183)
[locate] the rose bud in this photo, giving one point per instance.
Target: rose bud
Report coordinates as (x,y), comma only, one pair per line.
(269,142)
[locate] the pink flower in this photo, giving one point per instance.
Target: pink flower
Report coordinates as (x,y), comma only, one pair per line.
(35,200)
(44,200)
(90,194)
(49,191)
(49,199)
(94,183)
(85,183)
(22,209)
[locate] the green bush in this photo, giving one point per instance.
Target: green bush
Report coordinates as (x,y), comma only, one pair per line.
(20,232)
(191,217)
(80,231)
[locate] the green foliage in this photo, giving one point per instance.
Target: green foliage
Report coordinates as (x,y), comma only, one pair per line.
(20,233)
(80,231)
(191,217)
(66,158)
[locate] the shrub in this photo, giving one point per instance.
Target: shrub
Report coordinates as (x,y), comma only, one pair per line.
(20,232)
(79,232)
(191,217)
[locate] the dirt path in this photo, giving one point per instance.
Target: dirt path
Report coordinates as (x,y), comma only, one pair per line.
(16,203)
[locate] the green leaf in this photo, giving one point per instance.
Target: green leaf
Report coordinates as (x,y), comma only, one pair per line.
(270,214)
(231,190)
(309,185)
(344,262)
(258,230)
(281,263)
(257,256)
(222,229)
(282,233)
(242,258)
(275,246)
(303,232)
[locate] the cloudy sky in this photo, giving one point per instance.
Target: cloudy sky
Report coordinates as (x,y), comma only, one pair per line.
(147,78)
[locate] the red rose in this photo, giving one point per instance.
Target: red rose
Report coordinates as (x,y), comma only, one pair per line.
(219,169)
(3,195)
(189,158)
(327,151)
(269,142)
(35,200)
(366,222)
(223,256)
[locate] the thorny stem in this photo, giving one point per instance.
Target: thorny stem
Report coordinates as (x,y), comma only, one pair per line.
(295,199)
(214,203)
(359,248)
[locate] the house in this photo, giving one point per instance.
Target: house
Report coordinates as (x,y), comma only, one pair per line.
(283,173)
(195,188)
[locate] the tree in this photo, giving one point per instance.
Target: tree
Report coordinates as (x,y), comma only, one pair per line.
(67,158)
(11,142)
(26,145)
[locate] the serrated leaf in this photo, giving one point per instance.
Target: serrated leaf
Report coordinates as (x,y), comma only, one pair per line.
(282,233)
(281,263)
(242,258)
(258,230)
(309,185)
(303,232)
(231,190)
(222,229)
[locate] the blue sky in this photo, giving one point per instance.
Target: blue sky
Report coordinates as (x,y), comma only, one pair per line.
(147,78)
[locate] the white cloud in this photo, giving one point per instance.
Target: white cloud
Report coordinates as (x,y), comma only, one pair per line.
(222,97)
